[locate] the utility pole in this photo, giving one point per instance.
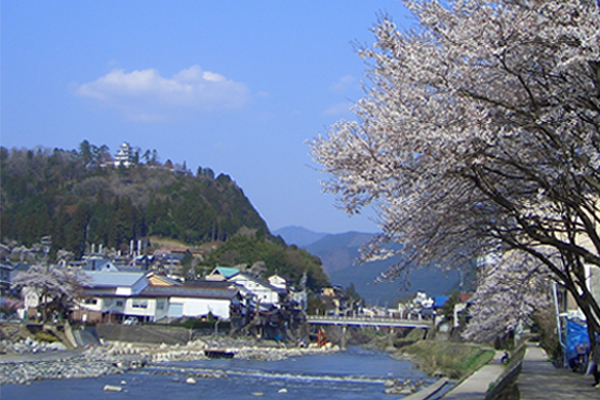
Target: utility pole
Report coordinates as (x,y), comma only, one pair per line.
(46,243)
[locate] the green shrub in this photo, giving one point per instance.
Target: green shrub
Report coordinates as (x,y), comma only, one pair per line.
(45,337)
(454,360)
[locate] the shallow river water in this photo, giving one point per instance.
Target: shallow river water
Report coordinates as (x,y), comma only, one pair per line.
(353,374)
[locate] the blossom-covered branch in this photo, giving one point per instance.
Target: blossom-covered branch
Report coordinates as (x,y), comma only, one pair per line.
(51,284)
(480,131)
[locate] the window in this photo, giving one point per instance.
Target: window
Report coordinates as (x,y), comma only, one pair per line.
(160,304)
(90,301)
(119,303)
(139,303)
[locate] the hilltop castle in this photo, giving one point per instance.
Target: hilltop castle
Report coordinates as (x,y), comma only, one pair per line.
(124,156)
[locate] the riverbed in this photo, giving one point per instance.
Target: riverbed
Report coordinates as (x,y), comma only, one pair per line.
(353,374)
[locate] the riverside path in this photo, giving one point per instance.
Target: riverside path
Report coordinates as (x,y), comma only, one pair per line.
(540,380)
(476,385)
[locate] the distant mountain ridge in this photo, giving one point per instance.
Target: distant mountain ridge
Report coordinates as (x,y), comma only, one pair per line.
(298,235)
(339,252)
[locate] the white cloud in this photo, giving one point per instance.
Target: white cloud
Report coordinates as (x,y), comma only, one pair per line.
(339,108)
(147,93)
(344,84)
(344,87)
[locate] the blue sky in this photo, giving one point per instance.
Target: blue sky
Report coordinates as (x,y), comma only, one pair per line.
(236,86)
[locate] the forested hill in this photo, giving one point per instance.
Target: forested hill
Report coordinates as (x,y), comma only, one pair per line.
(80,196)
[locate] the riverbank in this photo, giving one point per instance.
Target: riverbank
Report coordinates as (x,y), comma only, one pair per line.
(446,359)
(352,374)
(119,357)
(64,364)
(437,359)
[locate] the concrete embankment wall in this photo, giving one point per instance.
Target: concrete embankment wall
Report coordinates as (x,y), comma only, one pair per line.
(504,387)
(143,334)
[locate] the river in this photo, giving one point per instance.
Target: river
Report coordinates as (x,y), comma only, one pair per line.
(354,374)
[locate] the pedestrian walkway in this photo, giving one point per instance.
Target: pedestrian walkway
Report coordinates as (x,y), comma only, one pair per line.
(540,380)
(475,386)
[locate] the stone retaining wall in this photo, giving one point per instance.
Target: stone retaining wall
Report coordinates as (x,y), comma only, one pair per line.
(143,334)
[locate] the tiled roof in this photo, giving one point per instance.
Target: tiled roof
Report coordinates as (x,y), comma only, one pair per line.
(210,284)
(100,292)
(161,280)
(191,292)
(464,297)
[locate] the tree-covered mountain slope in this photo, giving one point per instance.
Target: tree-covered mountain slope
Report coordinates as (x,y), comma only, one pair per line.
(80,197)
(339,252)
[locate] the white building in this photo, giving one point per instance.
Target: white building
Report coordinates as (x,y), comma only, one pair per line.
(277,282)
(111,295)
(115,296)
(124,155)
(263,292)
(197,301)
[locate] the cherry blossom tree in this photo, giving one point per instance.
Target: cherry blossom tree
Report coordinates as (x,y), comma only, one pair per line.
(511,289)
(58,286)
(479,131)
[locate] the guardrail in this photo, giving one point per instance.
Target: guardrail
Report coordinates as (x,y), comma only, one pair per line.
(368,320)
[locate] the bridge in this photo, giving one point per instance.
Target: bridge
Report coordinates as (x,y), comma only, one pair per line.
(368,321)
(345,321)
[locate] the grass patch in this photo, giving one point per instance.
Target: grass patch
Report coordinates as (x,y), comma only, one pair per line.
(454,360)
(46,337)
(159,241)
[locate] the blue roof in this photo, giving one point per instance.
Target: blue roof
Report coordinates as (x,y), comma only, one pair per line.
(228,272)
(439,301)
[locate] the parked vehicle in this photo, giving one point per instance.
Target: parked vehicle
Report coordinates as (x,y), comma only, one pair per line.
(130,321)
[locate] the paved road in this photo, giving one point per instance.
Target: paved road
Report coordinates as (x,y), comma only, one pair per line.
(540,380)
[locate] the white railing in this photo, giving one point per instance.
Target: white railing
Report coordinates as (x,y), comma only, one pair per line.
(369,320)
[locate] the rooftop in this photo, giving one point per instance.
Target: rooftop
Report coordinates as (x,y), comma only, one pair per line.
(113,279)
(186,291)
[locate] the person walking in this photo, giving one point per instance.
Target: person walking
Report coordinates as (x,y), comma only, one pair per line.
(596,363)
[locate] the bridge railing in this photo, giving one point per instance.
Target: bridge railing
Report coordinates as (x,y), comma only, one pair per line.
(368,319)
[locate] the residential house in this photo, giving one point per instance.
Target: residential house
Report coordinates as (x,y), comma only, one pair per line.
(152,297)
(222,274)
(98,264)
(113,296)
(336,302)
(278,282)
(197,301)
(265,293)
(161,280)
(262,292)
(460,309)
